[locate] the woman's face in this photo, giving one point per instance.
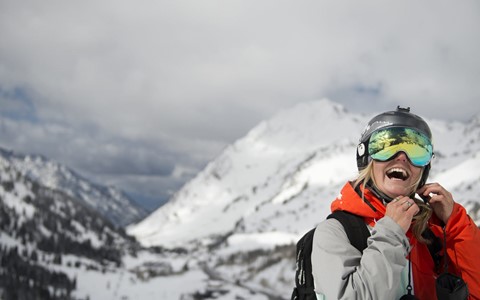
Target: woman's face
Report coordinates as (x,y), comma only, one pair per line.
(396,177)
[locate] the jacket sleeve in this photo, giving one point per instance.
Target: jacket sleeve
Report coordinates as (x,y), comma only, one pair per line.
(463,245)
(340,271)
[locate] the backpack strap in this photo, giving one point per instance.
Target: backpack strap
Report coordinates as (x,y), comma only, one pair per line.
(355,228)
(357,233)
(303,275)
(434,247)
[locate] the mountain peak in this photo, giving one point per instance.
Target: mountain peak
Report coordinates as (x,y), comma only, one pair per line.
(251,171)
(306,125)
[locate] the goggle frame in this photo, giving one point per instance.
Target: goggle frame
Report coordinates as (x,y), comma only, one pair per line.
(384,144)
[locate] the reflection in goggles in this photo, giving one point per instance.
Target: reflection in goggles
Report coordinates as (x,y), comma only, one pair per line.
(384,144)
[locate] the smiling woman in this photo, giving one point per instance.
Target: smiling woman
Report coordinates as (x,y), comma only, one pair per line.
(404,255)
(395,136)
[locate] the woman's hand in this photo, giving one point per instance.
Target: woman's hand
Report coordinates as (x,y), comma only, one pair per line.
(401,210)
(441,200)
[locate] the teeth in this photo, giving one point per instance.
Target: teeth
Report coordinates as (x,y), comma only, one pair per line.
(398,170)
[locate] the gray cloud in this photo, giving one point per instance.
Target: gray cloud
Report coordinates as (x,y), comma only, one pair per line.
(148,90)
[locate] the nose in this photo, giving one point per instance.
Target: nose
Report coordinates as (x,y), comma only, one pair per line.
(401,156)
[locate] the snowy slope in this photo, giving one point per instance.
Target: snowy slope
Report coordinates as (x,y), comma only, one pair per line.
(108,201)
(47,240)
(248,174)
(54,247)
(282,176)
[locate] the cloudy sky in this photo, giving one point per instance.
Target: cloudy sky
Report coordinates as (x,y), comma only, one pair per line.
(142,94)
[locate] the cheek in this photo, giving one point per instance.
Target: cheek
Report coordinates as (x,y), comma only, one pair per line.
(416,173)
(378,173)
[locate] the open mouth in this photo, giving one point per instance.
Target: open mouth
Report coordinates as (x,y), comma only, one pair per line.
(397,173)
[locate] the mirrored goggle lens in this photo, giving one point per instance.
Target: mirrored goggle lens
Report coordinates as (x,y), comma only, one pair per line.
(386,143)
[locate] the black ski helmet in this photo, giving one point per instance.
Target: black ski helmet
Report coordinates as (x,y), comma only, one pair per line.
(401,117)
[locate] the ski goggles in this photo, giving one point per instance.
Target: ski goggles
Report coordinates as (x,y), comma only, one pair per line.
(384,144)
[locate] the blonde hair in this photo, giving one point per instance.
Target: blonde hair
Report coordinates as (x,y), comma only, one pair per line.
(420,220)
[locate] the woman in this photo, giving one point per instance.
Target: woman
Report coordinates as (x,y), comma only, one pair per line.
(393,159)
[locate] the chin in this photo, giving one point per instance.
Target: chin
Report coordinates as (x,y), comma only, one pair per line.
(398,192)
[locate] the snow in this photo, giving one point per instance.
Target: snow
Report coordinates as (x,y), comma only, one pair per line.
(171,287)
(262,240)
(93,238)
(467,171)
(122,284)
(14,201)
(8,240)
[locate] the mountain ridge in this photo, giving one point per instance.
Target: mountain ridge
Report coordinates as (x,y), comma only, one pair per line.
(109,201)
(46,236)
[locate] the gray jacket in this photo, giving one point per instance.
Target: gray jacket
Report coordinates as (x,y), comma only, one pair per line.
(340,271)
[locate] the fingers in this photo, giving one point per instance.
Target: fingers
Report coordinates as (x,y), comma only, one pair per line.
(397,198)
(408,203)
(405,203)
(441,200)
(401,210)
(435,191)
(411,207)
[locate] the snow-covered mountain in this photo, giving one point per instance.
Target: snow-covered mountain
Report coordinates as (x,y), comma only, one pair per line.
(47,238)
(282,176)
(53,246)
(238,220)
(108,201)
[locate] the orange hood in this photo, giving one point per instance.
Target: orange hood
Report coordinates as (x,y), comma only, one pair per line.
(370,207)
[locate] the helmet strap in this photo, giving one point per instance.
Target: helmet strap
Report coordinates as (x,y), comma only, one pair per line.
(379,194)
(425,173)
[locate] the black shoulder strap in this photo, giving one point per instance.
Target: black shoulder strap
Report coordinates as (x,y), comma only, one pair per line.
(357,233)
(355,227)
(303,275)
(434,247)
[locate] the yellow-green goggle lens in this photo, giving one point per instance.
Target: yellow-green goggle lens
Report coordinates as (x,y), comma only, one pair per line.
(384,144)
